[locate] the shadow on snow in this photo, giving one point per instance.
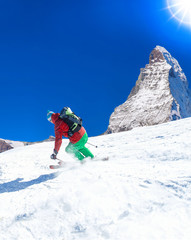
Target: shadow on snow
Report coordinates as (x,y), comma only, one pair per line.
(17,185)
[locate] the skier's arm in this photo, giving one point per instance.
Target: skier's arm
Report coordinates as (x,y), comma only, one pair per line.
(58,140)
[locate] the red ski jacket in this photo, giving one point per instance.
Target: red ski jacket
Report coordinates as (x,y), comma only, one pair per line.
(61,129)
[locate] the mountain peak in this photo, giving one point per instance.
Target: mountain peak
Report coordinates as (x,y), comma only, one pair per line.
(161,49)
(160,95)
(157,55)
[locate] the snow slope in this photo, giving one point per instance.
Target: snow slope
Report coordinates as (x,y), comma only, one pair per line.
(142,192)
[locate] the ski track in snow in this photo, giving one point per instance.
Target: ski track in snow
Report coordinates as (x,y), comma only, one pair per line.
(142,192)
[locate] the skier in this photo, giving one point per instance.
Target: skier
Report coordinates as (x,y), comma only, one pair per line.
(77,139)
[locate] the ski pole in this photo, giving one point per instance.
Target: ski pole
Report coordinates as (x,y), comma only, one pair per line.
(92,145)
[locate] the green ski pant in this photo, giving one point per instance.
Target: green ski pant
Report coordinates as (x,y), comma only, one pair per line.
(78,149)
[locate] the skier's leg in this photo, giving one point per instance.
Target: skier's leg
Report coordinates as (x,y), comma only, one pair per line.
(72,150)
(86,152)
(79,149)
(80,146)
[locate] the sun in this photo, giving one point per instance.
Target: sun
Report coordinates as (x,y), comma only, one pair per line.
(180,10)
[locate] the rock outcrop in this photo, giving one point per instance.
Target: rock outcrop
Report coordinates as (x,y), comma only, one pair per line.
(4,146)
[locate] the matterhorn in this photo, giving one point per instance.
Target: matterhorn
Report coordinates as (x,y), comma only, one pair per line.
(161,94)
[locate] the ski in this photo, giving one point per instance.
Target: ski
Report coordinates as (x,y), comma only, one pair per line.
(56,166)
(61,164)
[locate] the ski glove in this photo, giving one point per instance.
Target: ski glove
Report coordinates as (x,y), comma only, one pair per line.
(70,133)
(53,156)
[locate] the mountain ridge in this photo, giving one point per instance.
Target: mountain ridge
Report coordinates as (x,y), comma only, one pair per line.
(10,144)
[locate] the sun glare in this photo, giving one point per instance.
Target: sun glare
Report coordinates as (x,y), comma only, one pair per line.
(180,10)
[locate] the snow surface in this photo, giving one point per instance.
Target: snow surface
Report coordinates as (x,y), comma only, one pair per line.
(142,192)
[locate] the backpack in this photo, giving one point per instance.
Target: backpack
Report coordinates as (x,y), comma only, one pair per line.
(71,119)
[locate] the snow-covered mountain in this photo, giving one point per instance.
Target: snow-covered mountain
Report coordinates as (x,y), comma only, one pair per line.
(142,192)
(161,95)
(9,144)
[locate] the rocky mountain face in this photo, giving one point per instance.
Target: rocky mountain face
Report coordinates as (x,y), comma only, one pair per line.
(4,146)
(160,95)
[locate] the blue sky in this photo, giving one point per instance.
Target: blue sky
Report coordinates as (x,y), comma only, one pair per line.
(84,54)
